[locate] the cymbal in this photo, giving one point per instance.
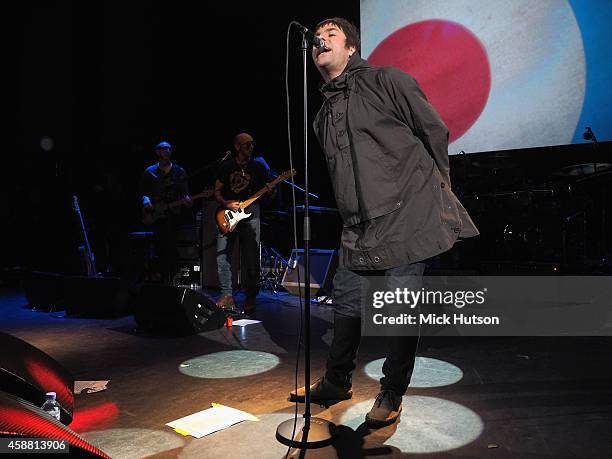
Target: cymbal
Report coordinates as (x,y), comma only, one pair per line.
(495,161)
(579,170)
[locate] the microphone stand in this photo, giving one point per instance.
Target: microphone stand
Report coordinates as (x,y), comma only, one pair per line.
(311,432)
(297,187)
(210,165)
(590,135)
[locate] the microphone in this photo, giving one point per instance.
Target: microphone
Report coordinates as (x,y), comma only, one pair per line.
(227,153)
(315,41)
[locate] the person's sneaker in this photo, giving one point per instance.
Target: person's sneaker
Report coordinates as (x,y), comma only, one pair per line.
(249,306)
(226,302)
(322,392)
(387,407)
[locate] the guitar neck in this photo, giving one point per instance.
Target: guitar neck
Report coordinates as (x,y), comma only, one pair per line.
(252,199)
(203,194)
(260,193)
(88,253)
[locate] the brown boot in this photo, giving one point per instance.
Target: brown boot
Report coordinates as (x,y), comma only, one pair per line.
(249,306)
(387,408)
(322,392)
(226,302)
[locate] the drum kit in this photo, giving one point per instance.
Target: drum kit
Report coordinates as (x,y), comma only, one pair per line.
(546,217)
(523,214)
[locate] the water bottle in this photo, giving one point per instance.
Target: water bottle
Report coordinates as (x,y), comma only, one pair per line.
(51,407)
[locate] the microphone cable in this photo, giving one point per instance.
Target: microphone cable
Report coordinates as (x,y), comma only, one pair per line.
(295,242)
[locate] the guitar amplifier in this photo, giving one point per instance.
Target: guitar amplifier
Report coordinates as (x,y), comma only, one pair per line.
(189,266)
(323,264)
(189,274)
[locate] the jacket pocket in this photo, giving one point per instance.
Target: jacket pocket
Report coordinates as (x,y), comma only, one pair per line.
(377,179)
(446,200)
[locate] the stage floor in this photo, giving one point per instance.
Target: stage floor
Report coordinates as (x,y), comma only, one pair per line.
(470,397)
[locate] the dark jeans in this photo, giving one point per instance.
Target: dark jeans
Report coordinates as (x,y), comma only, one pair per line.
(348,291)
(248,234)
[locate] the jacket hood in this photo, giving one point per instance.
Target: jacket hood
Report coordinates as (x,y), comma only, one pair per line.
(355,65)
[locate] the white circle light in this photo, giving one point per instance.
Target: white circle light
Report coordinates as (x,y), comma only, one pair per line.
(427,372)
(427,424)
(229,364)
(130,443)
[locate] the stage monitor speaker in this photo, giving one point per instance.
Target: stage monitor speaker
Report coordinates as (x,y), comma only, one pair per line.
(182,310)
(44,291)
(323,264)
(93,296)
(20,419)
(29,373)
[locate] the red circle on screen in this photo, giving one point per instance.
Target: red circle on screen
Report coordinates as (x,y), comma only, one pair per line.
(450,64)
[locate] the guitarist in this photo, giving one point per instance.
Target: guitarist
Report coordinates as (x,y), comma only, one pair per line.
(237,179)
(165,181)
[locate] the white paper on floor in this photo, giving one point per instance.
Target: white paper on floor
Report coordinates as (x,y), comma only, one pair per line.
(90,386)
(245,322)
(211,420)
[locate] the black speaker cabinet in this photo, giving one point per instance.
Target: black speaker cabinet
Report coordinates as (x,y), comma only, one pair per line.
(29,373)
(92,296)
(323,264)
(20,419)
(179,309)
(44,290)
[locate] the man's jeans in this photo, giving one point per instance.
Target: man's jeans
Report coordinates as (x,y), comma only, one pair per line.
(348,291)
(248,234)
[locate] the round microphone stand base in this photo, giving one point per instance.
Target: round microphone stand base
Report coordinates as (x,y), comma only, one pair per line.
(320,434)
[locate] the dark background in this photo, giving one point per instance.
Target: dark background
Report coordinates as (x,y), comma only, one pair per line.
(106,81)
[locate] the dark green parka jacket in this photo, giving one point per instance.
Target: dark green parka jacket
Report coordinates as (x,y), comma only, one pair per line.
(387,155)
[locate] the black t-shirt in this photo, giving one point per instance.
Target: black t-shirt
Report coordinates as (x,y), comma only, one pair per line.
(241,183)
(159,186)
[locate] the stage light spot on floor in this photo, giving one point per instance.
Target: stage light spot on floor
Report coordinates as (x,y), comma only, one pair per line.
(427,372)
(130,443)
(229,364)
(427,424)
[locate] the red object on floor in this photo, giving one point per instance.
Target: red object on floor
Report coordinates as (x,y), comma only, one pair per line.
(22,419)
(95,417)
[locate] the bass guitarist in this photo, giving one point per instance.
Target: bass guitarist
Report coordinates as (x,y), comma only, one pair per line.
(165,182)
(237,179)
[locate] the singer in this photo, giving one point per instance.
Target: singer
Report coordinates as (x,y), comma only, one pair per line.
(387,156)
(237,179)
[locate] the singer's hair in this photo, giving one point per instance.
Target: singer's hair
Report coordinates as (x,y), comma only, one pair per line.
(350,30)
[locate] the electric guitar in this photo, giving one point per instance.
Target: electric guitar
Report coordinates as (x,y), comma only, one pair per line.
(228,219)
(90,261)
(149,216)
